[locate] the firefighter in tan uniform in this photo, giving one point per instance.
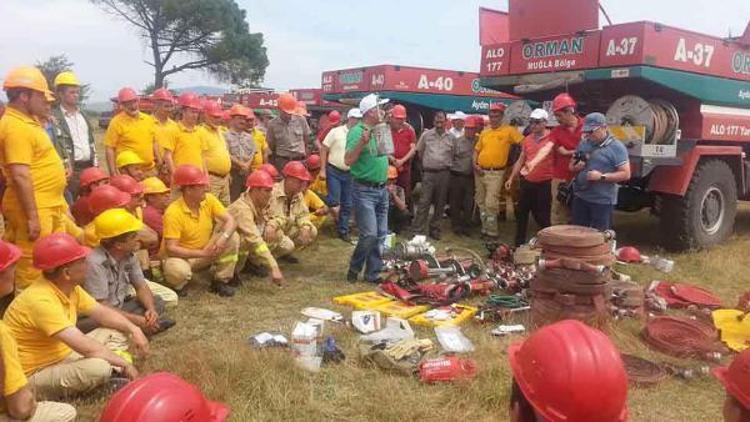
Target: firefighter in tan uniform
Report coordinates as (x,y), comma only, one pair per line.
(287,213)
(248,212)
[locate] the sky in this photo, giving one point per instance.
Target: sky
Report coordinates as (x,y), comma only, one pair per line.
(306,37)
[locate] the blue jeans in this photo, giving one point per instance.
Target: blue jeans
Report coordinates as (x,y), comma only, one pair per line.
(590,214)
(371,211)
(340,195)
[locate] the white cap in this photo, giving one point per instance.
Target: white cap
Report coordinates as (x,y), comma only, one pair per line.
(354,113)
(370,101)
(459,115)
(539,114)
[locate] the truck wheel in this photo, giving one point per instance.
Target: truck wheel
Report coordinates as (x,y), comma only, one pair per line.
(705,215)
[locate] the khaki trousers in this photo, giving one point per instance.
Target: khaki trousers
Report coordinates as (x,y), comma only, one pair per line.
(488,196)
(179,271)
(294,232)
(48,411)
(76,374)
(282,247)
(560,214)
(219,187)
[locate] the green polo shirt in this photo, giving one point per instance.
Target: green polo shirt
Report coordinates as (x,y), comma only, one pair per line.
(370,167)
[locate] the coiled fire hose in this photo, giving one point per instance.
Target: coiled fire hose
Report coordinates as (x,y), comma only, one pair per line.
(659,117)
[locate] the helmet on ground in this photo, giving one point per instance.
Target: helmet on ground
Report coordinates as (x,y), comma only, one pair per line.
(106,197)
(66,78)
(27,77)
(128,158)
(126,184)
(154,185)
(287,103)
(126,94)
(162,397)
(736,378)
(334,117)
(114,222)
(91,175)
(398,111)
(569,371)
(297,170)
(392,172)
(162,94)
(213,109)
(628,254)
(187,175)
(259,179)
(562,101)
(313,162)
(240,110)
(56,250)
(189,100)
(9,254)
(270,169)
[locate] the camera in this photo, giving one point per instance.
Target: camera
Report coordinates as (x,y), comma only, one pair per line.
(579,157)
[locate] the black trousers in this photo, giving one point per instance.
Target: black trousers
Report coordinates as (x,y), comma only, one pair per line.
(398,220)
(461,199)
(534,198)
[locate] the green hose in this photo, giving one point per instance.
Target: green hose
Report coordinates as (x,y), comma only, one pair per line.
(510,302)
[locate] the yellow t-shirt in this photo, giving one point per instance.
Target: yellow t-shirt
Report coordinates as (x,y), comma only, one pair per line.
(193,231)
(260,148)
(162,132)
(90,238)
(126,133)
(24,141)
(493,146)
(37,314)
(312,200)
(187,145)
(319,186)
(14,379)
(217,155)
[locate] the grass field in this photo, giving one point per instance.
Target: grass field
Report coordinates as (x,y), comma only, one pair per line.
(209,346)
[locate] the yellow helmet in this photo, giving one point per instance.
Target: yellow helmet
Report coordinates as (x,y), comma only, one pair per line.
(114,222)
(66,78)
(30,78)
(154,185)
(128,158)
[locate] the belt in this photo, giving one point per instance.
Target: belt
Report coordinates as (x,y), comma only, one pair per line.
(370,184)
(338,169)
(83,163)
(492,168)
(217,174)
(458,173)
(434,170)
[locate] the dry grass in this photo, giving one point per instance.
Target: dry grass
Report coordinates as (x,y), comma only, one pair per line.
(209,347)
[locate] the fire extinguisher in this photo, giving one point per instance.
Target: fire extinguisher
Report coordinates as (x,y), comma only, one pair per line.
(446,368)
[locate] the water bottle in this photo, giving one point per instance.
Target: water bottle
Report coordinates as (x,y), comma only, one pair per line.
(662,264)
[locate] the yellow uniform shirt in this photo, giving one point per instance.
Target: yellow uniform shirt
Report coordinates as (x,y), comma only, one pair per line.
(218,162)
(90,238)
(312,200)
(126,133)
(14,379)
(193,231)
(261,146)
(493,146)
(319,186)
(24,141)
(163,132)
(37,314)
(187,145)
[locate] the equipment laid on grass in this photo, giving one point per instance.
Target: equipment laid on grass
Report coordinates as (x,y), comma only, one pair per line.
(446,369)
(683,337)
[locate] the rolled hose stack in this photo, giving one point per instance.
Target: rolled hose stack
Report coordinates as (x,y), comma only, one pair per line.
(573,280)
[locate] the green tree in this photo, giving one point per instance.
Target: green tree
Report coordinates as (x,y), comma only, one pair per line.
(53,65)
(211,35)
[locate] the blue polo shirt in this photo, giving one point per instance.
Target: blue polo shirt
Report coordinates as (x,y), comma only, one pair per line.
(605,157)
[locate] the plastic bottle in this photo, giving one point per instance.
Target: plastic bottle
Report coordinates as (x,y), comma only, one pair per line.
(662,264)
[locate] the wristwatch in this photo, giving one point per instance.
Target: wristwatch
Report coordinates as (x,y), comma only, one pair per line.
(602,178)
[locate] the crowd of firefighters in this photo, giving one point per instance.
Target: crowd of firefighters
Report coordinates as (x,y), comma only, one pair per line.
(91,258)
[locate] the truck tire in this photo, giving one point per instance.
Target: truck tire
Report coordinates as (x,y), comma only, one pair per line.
(705,216)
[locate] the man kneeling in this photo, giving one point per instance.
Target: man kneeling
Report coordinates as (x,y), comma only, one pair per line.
(113,268)
(56,356)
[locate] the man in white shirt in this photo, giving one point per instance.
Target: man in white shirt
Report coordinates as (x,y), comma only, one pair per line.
(336,172)
(75,131)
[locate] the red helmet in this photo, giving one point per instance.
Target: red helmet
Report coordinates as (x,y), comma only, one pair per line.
(571,372)
(562,101)
(297,170)
(126,184)
(162,94)
(9,254)
(259,179)
(313,162)
(736,378)
(56,250)
(471,122)
(270,169)
(334,117)
(498,107)
(213,109)
(628,254)
(187,175)
(106,197)
(189,100)
(398,111)
(126,94)
(162,397)
(91,175)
